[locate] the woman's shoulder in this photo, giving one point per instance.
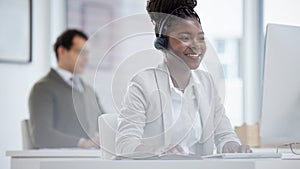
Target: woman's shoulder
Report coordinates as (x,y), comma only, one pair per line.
(202,75)
(149,75)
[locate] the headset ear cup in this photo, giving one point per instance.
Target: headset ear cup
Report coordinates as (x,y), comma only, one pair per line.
(161,43)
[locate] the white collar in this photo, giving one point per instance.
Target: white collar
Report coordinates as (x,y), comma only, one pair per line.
(66,75)
(193,81)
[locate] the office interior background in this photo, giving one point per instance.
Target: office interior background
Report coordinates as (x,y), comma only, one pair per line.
(236,29)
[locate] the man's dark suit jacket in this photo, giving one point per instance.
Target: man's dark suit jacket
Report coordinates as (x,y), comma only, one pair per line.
(60,116)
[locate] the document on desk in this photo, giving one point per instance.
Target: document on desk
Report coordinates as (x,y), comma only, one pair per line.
(242,156)
(290,156)
(148,156)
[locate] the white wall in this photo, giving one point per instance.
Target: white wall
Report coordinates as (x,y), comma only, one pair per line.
(17,79)
(282,12)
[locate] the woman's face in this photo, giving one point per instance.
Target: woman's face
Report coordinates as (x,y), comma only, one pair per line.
(186,40)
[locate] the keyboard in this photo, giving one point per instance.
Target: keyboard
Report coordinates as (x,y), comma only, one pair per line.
(242,156)
(149,156)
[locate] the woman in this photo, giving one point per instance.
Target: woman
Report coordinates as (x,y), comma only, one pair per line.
(175,108)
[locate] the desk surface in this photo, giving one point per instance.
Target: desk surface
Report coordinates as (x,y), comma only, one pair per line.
(171,164)
(48,153)
(90,159)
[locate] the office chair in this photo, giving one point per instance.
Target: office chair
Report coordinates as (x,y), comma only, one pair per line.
(26,137)
(107,131)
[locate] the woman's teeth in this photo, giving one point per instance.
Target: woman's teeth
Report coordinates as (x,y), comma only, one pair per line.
(194,55)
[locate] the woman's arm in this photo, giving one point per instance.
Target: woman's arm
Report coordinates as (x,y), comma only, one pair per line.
(131,121)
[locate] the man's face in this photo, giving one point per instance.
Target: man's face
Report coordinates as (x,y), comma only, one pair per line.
(186,40)
(75,59)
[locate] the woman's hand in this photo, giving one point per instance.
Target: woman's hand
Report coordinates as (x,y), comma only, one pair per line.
(234,147)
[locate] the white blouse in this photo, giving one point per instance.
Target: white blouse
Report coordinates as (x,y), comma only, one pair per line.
(187,128)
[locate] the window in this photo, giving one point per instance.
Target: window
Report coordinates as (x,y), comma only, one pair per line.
(222,22)
(15,43)
(282,12)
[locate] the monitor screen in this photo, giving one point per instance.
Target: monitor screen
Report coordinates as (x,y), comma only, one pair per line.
(280,122)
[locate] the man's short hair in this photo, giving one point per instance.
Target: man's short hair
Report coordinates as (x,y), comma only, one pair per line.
(66,39)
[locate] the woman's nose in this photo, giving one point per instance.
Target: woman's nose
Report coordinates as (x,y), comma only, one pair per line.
(195,45)
(198,47)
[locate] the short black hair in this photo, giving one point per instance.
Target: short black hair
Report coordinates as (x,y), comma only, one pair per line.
(66,39)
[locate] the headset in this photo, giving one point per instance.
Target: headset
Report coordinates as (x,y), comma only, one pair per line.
(161,42)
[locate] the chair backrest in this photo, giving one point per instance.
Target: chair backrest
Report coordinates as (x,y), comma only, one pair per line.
(107,132)
(26,137)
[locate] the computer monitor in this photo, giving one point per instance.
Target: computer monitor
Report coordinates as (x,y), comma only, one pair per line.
(280,122)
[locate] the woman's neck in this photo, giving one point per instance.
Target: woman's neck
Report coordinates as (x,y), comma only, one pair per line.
(180,73)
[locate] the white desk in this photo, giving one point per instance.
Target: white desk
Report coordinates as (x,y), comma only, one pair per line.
(32,159)
(90,159)
(171,164)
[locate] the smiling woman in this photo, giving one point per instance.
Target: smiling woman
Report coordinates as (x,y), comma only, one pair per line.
(175,108)
(15,14)
(187,41)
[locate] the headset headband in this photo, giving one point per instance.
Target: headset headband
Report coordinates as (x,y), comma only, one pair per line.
(163,22)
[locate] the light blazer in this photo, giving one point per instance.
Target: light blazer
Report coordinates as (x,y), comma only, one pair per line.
(143,120)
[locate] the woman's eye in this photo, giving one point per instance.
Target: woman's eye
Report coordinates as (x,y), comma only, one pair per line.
(184,39)
(201,39)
